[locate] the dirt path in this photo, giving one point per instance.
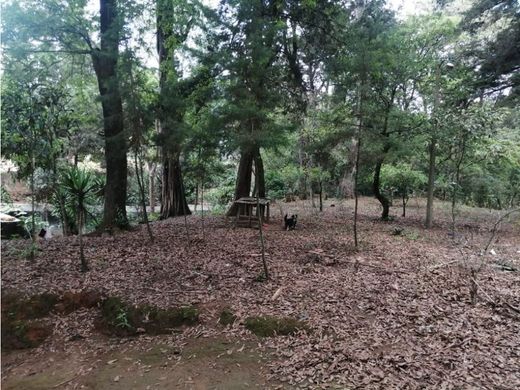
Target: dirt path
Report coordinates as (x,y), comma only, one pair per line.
(215,363)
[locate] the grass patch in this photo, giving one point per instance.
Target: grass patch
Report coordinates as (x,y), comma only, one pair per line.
(121,319)
(269,326)
(227,317)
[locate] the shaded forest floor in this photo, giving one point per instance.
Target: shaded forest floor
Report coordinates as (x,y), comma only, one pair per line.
(396,313)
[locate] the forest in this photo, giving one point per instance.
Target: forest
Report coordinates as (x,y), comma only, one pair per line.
(226,194)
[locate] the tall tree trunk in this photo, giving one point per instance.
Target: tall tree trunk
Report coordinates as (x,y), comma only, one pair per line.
(456,183)
(303,163)
(376,188)
(347,181)
(105,65)
(243,183)
(81,221)
(259,179)
(432,151)
(33,195)
(431,182)
(196,197)
(202,207)
(321,195)
(140,183)
(259,174)
(356,178)
(261,231)
(360,101)
(173,199)
(376,184)
(291,53)
(151,185)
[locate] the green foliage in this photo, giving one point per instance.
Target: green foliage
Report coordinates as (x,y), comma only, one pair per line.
(297,79)
(122,319)
(39,224)
(79,190)
(222,192)
(275,184)
(5,197)
(402,179)
(494,27)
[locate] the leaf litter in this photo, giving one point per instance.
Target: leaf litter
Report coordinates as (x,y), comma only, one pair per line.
(396,313)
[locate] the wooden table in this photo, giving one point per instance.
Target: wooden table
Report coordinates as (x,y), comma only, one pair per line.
(247,210)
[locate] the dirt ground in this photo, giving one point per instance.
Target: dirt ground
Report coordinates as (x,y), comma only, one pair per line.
(410,308)
(207,363)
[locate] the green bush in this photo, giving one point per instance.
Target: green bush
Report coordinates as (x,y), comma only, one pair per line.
(220,196)
(5,197)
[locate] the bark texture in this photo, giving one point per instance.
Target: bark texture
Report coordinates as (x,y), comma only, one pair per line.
(249,158)
(173,198)
(376,188)
(243,183)
(431,182)
(105,65)
(376,184)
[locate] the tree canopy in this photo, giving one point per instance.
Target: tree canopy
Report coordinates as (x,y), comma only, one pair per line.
(202,95)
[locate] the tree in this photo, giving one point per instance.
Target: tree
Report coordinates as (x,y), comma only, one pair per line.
(437,34)
(374,63)
(138,108)
(36,120)
(174,22)
(402,179)
(52,27)
(105,60)
(495,48)
(249,57)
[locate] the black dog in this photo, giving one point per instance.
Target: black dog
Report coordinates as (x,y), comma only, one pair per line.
(290,223)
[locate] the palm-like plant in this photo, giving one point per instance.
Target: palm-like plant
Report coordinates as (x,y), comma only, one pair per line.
(80,188)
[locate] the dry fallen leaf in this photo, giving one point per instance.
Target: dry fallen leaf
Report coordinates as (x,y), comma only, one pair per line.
(378,305)
(277,293)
